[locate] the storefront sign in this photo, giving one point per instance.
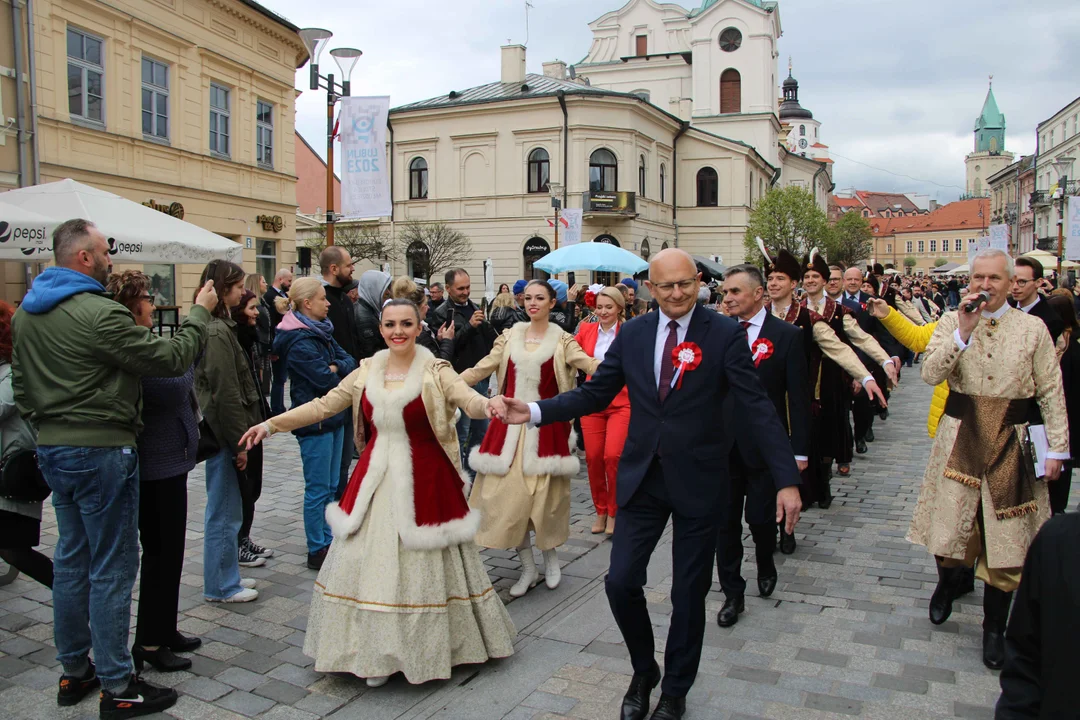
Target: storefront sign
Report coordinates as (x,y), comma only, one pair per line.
(616,202)
(365,173)
(175,209)
(537,247)
(271,222)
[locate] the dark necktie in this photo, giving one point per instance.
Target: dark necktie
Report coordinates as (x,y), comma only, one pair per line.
(745,324)
(667,365)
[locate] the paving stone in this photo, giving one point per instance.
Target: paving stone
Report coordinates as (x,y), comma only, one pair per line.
(754,675)
(245,703)
(256,662)
(930,674)
(203,688)
(902,684)
(281,692)
(833,704)
(240,678)
(822,657)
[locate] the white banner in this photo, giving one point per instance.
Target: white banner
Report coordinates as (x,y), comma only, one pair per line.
(365,173)
(999,237)
(1072,229)
(979,244)
(571,230)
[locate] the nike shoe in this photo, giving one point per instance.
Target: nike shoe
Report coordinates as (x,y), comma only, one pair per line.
(74,689)
(138,698)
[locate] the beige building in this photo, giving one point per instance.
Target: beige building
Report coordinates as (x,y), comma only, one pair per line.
(942,235)
(183,105)
(1058,137)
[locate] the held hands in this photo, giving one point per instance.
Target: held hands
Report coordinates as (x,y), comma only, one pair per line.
(967,321)
(496,408)
(253,437)
(446,332)
(1053,470)
(788,507)
(510,410)
(477,318)
(207,297)
(877,307)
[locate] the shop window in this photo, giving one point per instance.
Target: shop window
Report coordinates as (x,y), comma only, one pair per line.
(162,283)
(535,249)
(417,261)
(266,259)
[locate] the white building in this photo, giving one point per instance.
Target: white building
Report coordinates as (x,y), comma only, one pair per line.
(1057,137)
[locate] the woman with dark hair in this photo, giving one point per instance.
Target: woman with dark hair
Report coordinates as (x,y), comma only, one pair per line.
(439,341)
(230,405)
(504,288)
(20,522)
(247,316)
(523,473)
(1070,382)
(167,447)
(264,332)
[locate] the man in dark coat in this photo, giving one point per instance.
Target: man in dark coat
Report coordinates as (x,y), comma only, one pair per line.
(1024,295)
(337,272)
(280,289)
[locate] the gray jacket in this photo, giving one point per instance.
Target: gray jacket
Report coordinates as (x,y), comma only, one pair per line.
(15,434)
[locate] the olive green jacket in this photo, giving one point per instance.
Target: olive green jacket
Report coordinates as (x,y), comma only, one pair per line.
(226,390)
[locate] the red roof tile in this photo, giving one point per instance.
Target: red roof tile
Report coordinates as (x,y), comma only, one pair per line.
(959,215)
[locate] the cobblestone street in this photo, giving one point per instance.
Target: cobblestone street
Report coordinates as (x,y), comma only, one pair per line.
(845,634)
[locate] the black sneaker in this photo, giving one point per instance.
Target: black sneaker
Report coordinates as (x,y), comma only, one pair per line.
(250,559)
(315,560)
(258,550)
(138,698)
(74,689)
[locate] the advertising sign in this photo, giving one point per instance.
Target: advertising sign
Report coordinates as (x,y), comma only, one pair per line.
(365,174)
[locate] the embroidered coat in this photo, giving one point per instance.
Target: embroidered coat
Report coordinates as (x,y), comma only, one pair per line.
(432,511)
(1011,358)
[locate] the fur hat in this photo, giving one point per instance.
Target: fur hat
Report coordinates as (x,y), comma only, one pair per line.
(872,279)
(815,262)
(879,269)
(782,261)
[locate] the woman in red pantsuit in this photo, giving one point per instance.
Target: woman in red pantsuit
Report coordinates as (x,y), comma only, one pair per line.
(604,432)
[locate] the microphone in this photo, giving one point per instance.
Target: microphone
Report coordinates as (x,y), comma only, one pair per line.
(984,297)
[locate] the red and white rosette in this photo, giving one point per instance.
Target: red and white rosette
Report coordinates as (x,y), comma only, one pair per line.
(763,349)
(685,357)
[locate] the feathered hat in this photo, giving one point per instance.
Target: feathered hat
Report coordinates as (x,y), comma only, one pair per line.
(815,262)
(782,262)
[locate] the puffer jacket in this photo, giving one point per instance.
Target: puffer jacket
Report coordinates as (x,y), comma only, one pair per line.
(308,356)
(916,338)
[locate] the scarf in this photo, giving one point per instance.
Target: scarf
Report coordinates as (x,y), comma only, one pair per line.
(324,328)
(987,446)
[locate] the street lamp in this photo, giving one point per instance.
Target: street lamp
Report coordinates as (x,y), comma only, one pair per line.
(555,190)
(1063,165)
(315,40)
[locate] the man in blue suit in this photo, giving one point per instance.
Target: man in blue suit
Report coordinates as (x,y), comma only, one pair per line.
(674,464)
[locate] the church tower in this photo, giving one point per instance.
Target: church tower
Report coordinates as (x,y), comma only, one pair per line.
(989,155)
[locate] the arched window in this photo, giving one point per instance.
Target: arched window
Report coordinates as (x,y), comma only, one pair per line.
(535,249)
(418,179)
(417,261)
(646,251)
(802,130)
(664,245)
(539,171)
(606,278)
(663,182)
(641,176)
(603,171)
(730,91)
(708,187)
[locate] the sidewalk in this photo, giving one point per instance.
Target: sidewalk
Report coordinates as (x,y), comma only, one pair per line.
(845,634)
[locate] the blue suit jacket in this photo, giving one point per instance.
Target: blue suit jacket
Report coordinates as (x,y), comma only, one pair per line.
(687,431)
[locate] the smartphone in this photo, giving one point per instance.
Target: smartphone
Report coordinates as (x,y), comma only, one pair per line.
(570,279)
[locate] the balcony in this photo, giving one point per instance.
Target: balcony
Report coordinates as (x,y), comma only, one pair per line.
(1040,199)
(617,204)
(1049,244)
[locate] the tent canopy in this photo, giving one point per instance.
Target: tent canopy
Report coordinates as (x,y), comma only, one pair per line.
(947,267)
(23,229)
(137,234)
(1049,260)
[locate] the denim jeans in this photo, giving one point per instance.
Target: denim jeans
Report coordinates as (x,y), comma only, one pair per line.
(95,491)
(321,455)
(347,445)
(470,432)
(279,374)
(224,515)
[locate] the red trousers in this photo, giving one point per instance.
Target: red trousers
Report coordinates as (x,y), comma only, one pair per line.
(604,434)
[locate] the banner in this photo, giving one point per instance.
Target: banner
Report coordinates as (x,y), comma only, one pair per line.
(1072,229)
(571,232)
(981,243)
(999,237)
(365,173)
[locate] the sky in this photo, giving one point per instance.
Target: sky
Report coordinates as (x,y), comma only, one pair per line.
(897,86)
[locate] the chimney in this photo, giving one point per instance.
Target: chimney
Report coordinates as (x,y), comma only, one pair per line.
(555,69)
(513,64)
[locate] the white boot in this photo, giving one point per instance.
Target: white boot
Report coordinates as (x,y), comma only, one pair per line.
(552,568)
(529,575)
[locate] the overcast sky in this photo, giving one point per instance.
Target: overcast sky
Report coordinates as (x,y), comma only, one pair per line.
(896,85)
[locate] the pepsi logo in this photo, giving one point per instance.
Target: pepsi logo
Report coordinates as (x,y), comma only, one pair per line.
(5,232)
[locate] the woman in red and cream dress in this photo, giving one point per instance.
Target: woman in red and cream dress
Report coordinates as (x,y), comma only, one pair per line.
(403,588)
(605,431)
(523,473)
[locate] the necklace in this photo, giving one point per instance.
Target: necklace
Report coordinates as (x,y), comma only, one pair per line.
(393,377)
(530,341)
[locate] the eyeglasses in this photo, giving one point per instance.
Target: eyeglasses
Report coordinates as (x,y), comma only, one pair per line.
(1022,283)
(147,297)
(684,285)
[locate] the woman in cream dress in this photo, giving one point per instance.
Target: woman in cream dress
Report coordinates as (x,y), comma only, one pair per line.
(403,588)
(523,473)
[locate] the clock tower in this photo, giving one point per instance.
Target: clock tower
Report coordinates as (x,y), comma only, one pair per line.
(803,131)
(989,155)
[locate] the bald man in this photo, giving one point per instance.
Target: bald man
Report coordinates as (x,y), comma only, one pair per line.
(674,464)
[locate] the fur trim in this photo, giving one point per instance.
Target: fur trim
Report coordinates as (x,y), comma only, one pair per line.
(533,464)
(498,465)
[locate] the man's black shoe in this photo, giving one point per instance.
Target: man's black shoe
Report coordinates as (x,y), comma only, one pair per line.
(941,602)
(766,585)
(884,414)
(966,583)
(185,644)
(787,542)
(729,613)
(74,689)
(669,708)
(315,560)
(139,698)
(869,436)
(635,704)
(860,446)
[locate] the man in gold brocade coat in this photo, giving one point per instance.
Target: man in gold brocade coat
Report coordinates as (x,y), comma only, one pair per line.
(981,503)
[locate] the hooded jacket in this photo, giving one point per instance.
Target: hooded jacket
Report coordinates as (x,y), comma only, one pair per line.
(308,355)
(372,288)
(77,357)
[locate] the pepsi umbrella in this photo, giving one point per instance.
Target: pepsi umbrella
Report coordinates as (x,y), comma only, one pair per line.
(596,256)
(23,229)
(136,233)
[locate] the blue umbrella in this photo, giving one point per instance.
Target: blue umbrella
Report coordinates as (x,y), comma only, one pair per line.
(595,256)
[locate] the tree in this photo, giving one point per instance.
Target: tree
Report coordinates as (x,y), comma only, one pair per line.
(787,218)
(909,262)
(437,245)
(362,241)
(851,240)
(940,261)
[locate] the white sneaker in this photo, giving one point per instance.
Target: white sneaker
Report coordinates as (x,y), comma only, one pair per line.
(245,595)
(247,583)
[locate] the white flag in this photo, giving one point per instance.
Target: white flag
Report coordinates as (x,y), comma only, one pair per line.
(365,173)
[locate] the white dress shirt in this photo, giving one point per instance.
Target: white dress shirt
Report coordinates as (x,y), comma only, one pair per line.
(754,329)
(1027,308)
(604,338)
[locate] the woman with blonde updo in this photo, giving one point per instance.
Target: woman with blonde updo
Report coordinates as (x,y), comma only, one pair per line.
(316,364)
(440,341)
(604,432)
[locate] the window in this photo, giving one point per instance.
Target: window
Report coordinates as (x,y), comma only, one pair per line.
(418,179)
(944,247)
(908,247)
(417,259)
(663,182)
(155,98)
(641,176)
(539,171)
(264,134)
(802,130)
(922,246)
(866,213)
(641,45)
(266,259)
(730,39)
(933,246)
(708,187)
(760,188)
(888,248)
(603,171)
(86,76)
(162,283)
(730,91)
(219,120)
(1051,137)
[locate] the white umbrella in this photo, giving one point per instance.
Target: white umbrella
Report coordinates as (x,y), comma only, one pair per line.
(959,270)
(24,229)
(137,234)
(1049,260)
(489,280)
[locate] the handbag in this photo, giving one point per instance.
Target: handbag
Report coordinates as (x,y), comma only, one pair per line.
(208,443)
(21,479)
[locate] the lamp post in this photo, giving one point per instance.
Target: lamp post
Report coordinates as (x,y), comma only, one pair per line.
(1063,165)
(555,190)
(315,40)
